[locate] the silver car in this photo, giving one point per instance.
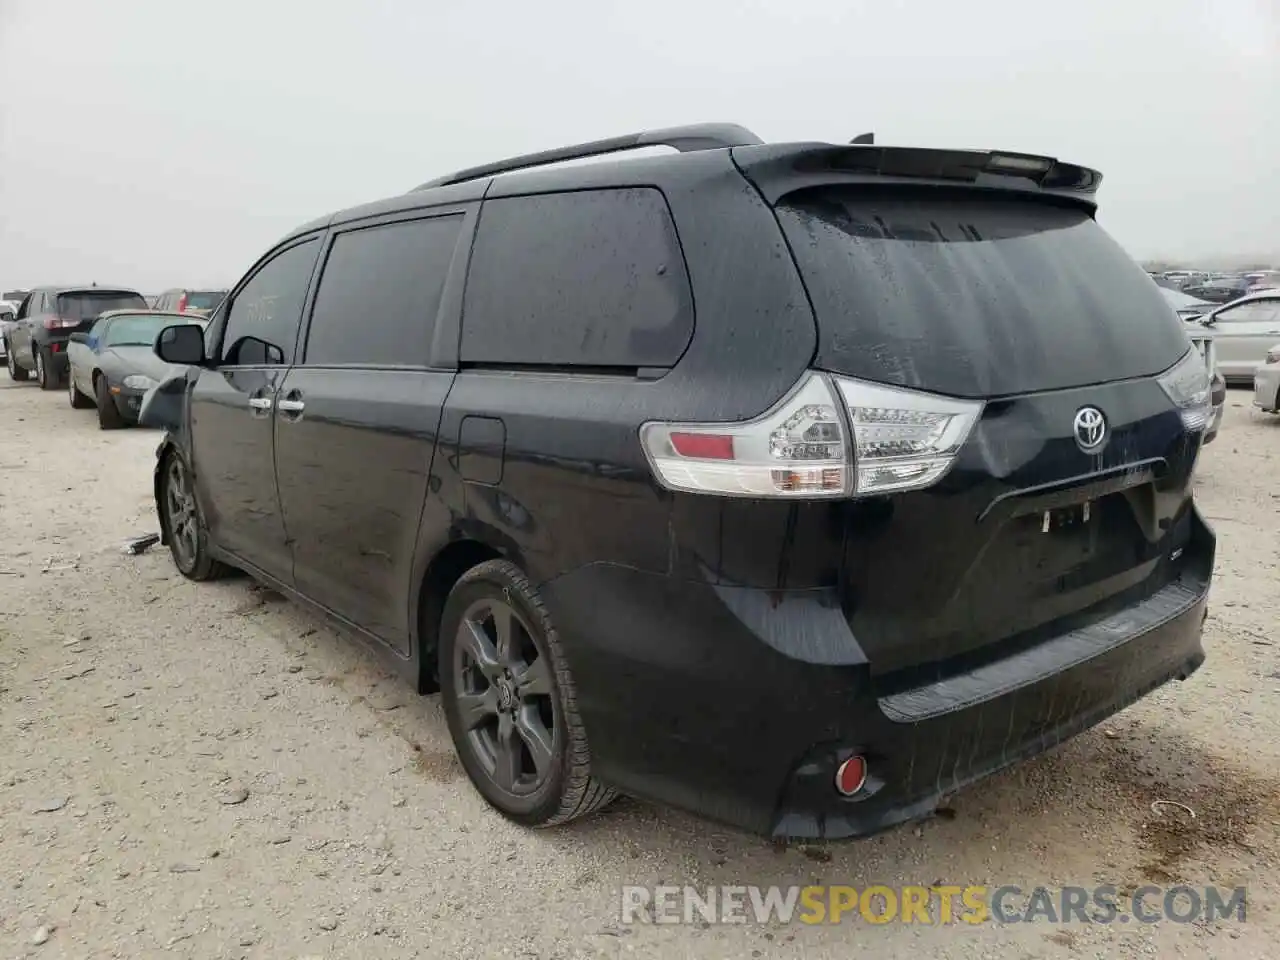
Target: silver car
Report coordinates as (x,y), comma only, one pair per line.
(1242,332)
(1266,382)
(8,311)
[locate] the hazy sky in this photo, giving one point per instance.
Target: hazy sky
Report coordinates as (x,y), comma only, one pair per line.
(169,142)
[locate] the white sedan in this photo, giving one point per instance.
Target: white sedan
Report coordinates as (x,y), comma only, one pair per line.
(1266,382)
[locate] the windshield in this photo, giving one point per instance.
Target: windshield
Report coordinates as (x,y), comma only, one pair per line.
(974,296)
(137,330)
(86,305)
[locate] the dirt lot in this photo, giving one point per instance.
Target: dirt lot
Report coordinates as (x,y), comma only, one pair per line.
(205,771)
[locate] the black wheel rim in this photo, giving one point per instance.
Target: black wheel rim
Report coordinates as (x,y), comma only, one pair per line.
(503,695)
(180,513)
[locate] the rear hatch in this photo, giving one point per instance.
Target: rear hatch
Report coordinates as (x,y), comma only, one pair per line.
(1025,304)
(203,301)
(79,308)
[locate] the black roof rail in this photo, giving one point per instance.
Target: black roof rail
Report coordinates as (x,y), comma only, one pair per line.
(696,136)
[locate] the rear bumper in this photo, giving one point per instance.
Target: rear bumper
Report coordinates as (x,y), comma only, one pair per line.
(739,704)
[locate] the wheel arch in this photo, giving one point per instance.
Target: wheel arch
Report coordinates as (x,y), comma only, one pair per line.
(166,449)
(444,570)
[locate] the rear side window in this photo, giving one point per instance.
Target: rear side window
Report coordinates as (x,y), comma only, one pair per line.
(86,305)
(974,297)
(588,279)
(380,293)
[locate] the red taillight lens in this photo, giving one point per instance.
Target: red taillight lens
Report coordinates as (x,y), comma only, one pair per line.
(182,303)
(52,323)
(707,446)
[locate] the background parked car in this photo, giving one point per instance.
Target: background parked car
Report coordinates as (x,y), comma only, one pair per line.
(1266,382)
(1242,332)
(189,301)
(45,321)
(1222,290)
(1184,305)
(113,363)
(8,311)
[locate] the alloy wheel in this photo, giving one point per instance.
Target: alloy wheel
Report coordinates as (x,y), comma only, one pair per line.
(504,697)
(40,368)
(180,513)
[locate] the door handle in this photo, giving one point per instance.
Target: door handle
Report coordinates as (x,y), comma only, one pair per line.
(260,406)
(291,405)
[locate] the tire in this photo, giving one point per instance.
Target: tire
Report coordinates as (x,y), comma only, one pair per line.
(45,376)
(108,413)
(78,400)
(183,522)
(17,371)
(487,705)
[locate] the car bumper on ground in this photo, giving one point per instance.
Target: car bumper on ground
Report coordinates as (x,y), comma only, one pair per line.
(724,701)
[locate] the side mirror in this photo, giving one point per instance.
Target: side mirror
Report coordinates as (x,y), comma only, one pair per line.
(79,337)
(182,343)
(253,350)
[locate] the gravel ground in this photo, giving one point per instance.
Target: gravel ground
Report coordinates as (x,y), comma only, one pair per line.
(207,771)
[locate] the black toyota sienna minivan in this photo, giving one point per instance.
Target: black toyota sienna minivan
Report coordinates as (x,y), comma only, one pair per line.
(797,485)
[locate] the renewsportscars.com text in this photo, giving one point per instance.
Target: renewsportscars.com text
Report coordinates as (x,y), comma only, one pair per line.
(934,905)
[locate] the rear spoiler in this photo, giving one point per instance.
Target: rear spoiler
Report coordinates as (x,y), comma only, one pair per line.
(779,169)
(109,291)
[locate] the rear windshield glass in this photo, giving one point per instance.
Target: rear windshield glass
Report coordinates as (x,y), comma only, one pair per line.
(204,299)
(86,306)
(974,297)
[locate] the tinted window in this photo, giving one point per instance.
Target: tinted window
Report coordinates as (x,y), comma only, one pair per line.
(262,324)
(974,297)
(380,292)
(86,305)
(590,279)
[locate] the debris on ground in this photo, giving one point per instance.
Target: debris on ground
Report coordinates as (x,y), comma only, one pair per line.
(140,544)
(1157,805)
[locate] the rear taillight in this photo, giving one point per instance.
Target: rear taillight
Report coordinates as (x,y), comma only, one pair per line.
(884,440)
(59,323)
(796,449)
(1187,384)
(904,439)
(182,303)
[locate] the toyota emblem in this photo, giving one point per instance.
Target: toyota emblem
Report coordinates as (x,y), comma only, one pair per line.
(1091,429)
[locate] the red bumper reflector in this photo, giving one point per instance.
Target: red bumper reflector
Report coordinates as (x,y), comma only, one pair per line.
(705,446)
(851,775)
